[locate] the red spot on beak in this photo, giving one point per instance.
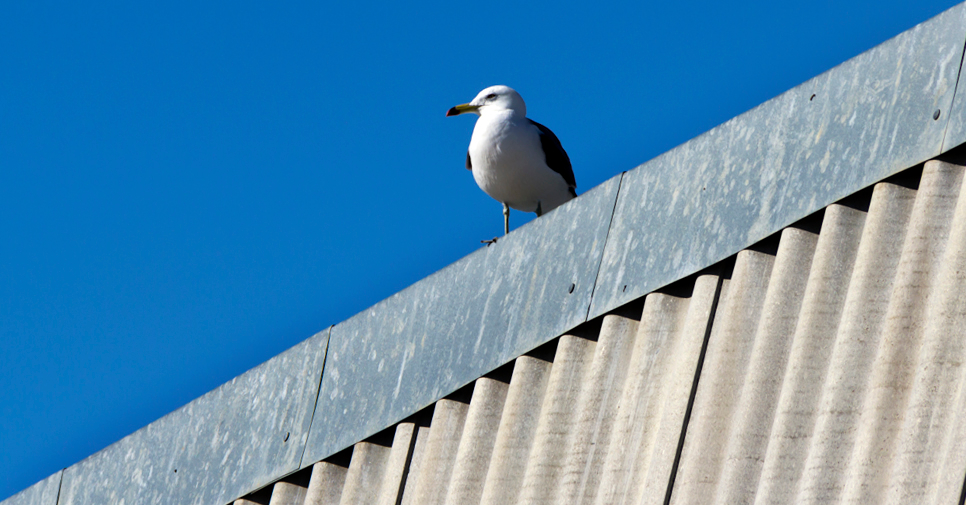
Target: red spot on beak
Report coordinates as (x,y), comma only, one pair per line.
(452,112)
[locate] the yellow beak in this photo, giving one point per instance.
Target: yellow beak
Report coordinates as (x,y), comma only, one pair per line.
(462,109)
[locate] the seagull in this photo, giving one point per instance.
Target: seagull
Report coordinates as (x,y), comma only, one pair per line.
(516,160)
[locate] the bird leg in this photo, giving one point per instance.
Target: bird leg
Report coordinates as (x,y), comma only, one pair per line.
(506,226)
(506,219)
(539,210)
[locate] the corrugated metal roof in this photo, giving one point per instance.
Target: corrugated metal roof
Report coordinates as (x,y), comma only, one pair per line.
(824,366)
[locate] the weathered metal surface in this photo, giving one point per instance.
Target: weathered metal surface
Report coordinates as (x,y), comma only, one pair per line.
(42,493)
(243,435)
(956,115)
(461,322)
(856,124)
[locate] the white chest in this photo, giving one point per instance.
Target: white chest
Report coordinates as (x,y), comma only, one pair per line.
(509,163)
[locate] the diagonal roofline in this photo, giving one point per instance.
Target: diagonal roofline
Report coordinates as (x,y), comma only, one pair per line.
(888,109)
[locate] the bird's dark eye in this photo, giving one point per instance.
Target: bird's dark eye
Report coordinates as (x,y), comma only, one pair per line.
(491,96)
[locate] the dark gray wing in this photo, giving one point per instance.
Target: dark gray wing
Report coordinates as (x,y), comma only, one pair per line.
(469,164)
(557,158)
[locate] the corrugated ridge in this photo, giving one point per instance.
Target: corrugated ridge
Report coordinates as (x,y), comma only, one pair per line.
(517,431)
(823,463)
(809,355)
(415,466)
(326,483)
(754,413)
(655,399)
(880,418)
(476,444)
(718,393)
(596,408)
(398,464)
(287,493)
(930,446)
(571,366)
(440,452)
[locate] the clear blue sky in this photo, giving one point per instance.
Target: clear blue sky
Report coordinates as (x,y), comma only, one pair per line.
(189,188)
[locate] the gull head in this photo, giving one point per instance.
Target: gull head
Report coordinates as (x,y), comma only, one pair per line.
(492,99)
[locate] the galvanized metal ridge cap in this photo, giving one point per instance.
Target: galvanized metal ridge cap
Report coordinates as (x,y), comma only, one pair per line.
(955,132)
(770,151)
(214,392)
(43,492)
(799,86)
(216,400)
(515,235)
(805,83)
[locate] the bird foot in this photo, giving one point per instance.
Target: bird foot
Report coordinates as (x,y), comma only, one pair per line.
(489,242)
